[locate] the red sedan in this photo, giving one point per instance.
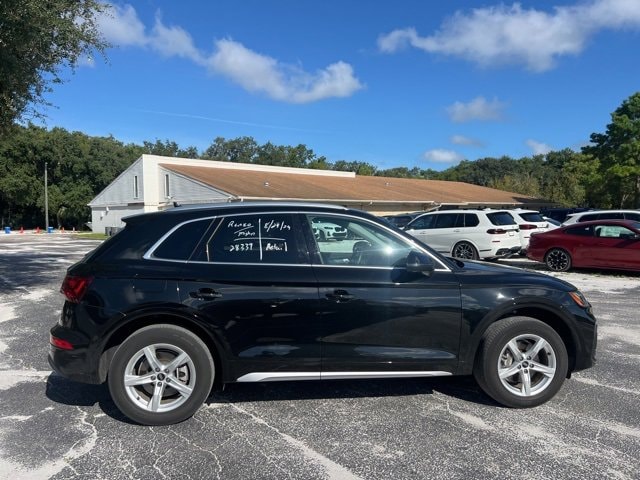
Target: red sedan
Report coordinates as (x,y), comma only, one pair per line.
(611,244)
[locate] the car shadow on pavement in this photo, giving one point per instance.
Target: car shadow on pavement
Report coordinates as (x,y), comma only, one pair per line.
(463,388)
(67,392)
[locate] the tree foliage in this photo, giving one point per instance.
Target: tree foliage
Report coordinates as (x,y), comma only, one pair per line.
(604,174)
(38,39)
(618,152)
(78,167)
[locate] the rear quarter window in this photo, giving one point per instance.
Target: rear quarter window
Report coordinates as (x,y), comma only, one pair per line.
(181,243)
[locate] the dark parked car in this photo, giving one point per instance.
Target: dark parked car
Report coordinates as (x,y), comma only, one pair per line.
(402,219)
(613,244)
(244,292)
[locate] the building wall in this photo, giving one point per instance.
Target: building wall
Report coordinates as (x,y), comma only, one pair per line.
(121,190)
(185,190)
(105,218)
(118,199)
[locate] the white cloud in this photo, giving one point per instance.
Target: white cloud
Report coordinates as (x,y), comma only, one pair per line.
(173,42)
(440,155)
(538,148)
(515,35)
(467,141)
(477,109)
(122,27)
(253,71)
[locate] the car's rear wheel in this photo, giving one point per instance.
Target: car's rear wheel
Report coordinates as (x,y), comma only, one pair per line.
(522,362)
(558,260)
(465,251)
(161,375)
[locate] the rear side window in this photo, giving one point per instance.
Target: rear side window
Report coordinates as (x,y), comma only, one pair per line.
(471,220)
(501,218)
(531,217)
(632,216)
(581,231)
(447,220)
(268,238)
(183,241)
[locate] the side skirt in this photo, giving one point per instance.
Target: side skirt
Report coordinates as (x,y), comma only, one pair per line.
(286,376)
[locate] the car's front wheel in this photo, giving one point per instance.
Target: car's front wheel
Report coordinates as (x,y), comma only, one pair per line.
(522,362)
(161,375)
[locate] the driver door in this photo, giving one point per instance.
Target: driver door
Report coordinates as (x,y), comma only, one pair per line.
(375,316)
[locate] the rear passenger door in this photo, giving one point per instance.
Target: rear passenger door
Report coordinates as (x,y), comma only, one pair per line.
(251,281)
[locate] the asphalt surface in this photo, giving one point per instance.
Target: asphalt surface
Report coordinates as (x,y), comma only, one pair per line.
(393,429)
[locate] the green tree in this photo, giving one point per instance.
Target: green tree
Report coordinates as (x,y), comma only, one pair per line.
(38,39)
(618,151)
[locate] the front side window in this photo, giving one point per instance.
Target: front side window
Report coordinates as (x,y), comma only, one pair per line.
(361,244)
(422,223)
(613,231)
(258,238)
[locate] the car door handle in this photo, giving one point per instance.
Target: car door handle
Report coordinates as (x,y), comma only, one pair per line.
(340,296)
(205,294)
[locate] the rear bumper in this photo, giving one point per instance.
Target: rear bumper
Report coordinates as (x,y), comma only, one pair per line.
(78,364)
(507,252)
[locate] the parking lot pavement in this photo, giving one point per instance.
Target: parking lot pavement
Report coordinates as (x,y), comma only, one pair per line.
(402,429)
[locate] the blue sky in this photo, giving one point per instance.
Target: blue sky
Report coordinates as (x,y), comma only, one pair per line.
(403,83)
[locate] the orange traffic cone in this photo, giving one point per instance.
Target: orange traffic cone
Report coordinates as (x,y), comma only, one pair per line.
(21,229)
(61,229)
(37,229)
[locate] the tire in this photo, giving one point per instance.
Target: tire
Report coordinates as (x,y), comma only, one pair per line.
(148,401)
(558,260)
(465,251)
(511,377)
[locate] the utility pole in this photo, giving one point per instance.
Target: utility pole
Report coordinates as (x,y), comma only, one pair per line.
(46,200)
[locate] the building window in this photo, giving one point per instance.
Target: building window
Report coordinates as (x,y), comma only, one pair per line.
(167,192)
(136,192)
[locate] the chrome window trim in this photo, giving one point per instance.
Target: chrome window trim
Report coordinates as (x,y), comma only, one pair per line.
(345,375)
(392,232)
(149,254)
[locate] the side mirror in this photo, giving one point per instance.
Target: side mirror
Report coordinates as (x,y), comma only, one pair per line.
(420,263)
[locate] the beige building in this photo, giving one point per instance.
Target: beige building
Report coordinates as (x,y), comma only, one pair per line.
(154,183)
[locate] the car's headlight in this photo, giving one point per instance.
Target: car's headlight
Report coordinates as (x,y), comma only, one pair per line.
(579,299)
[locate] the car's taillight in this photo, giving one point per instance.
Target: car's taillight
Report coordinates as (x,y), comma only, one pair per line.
(74,288)
(496,231)
(527,226)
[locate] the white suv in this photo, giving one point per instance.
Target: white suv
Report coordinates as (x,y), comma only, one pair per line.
(469,234)
(602,215)
(529,222)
